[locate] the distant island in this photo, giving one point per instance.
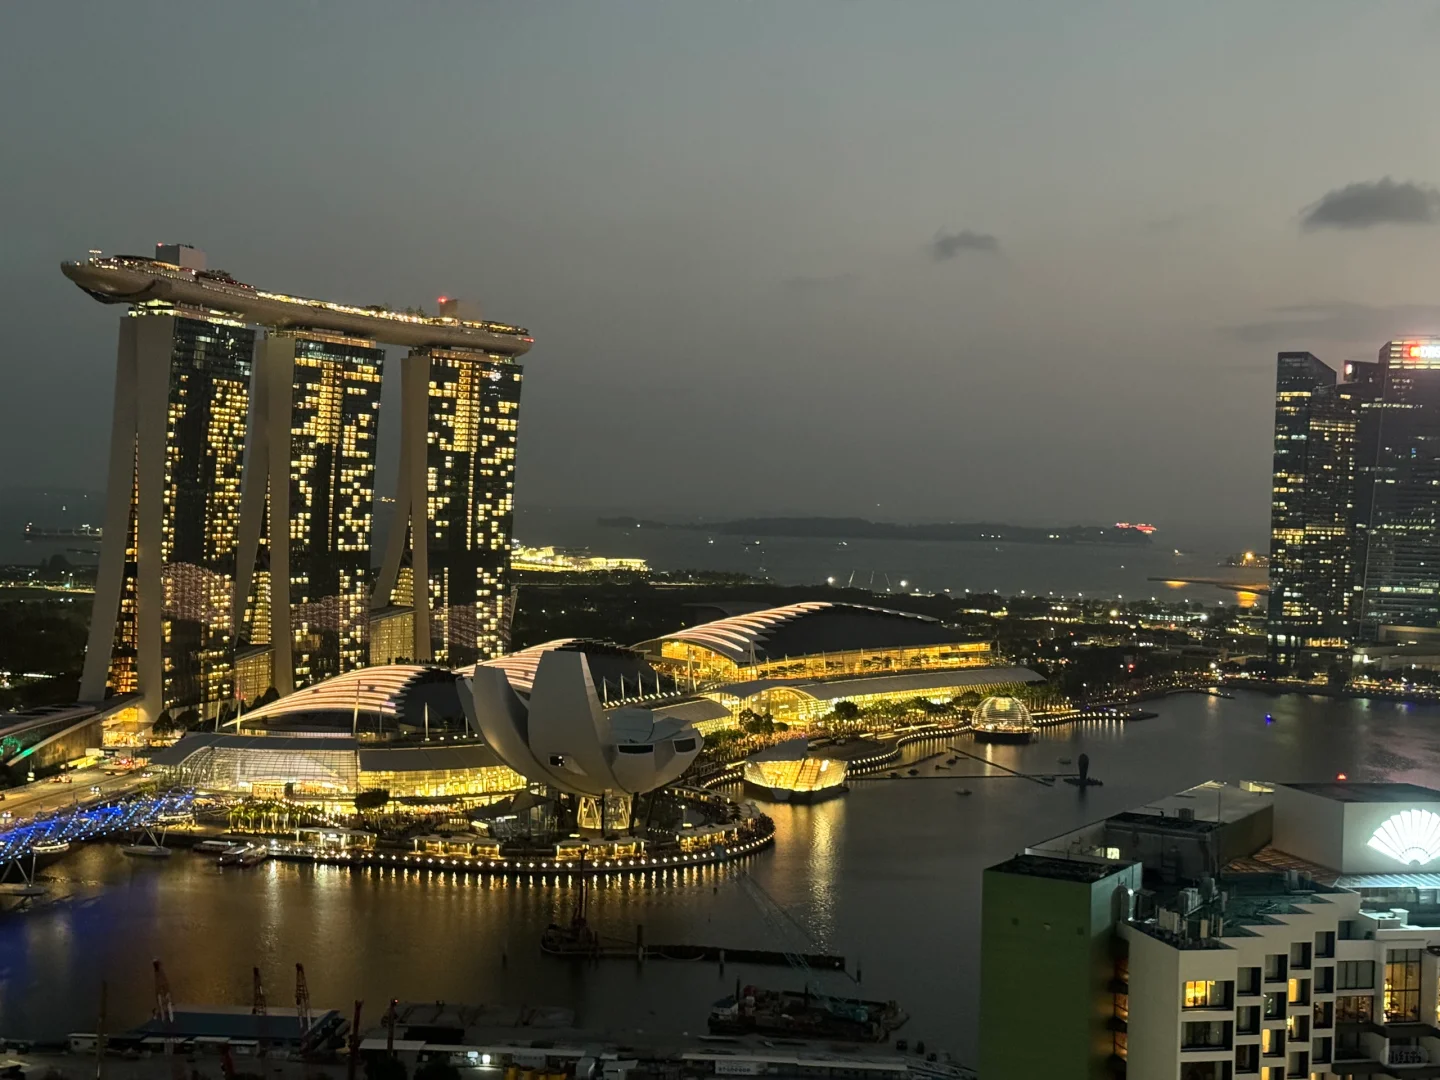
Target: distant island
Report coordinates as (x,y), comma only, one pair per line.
(828,528)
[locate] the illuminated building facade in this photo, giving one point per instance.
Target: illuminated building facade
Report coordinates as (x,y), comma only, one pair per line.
(788,772)
(1254,930)
(310,503)
(162,626)
(814,639)
(455,503)
(1398,495)
(176,597)
(1312,514)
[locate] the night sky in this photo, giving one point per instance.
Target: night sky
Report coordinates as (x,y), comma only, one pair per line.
(911,260)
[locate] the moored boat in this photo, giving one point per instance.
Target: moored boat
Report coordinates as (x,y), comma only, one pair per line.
(146,851)
(243,855)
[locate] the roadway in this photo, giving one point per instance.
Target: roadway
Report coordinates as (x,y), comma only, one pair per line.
(28,800)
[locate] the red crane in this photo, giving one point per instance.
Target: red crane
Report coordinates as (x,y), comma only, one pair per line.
(354,1043)
(165,1013)
(302,1001)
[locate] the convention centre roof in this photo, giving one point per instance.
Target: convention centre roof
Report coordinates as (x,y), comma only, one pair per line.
(809,628)
(917,682)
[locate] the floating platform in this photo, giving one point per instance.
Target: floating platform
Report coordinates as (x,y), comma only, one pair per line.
(279,1027)
(565,942)
(793,1013)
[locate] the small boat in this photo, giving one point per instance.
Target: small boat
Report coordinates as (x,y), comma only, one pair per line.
(51,847)
(962,791)
(213,847)
(913,772)
(951,760)
(243,855)
(1066,761)
(146,851)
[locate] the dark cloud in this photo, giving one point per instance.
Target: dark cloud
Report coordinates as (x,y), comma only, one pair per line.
(1316,325)
(1370,203)
(947,245)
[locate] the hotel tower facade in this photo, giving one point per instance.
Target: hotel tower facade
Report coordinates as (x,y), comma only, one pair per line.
(241,488)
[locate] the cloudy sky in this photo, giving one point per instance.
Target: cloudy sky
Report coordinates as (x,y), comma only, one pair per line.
(910,259)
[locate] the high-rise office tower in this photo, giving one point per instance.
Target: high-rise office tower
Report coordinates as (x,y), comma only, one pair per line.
(310,505)
(1398,494)
(449,547)
(162,622)
(1311,515)
(205,593)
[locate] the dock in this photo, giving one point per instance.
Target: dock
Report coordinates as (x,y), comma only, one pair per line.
(611,949)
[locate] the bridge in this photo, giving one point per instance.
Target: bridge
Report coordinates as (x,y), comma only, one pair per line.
(1257,587)
(87,822)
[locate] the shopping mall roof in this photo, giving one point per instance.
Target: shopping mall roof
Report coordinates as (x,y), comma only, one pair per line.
(916,682)
(370,690)
(193,742)
(431,757)
(809,628)
(618,671)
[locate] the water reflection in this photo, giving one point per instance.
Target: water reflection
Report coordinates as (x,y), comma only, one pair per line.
(888,874)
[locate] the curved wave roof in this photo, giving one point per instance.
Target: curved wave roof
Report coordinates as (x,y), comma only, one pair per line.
(371,690)
(519,666)
(812,627)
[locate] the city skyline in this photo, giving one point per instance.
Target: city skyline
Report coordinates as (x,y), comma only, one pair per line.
(992,241)
(1353,551)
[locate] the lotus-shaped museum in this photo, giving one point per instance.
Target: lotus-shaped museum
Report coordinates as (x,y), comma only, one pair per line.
(563,736)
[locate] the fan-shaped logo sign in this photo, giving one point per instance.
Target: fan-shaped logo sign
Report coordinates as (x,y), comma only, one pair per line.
(1411,837)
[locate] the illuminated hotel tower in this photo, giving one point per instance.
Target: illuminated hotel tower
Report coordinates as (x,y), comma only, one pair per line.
(309,506)
(449,549)
(175,603)
(161,626)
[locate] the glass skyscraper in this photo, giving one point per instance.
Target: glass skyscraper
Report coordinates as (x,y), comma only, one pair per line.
(1355,512)
(1398,534)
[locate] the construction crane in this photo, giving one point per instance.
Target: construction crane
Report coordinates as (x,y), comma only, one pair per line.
(302,1002)
(786,929)
(354,1061)
(165,1014)
(257,1007)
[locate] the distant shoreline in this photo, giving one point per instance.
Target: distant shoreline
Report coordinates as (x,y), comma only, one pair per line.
(828,528)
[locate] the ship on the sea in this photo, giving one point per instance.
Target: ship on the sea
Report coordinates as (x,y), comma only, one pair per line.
(1002,720)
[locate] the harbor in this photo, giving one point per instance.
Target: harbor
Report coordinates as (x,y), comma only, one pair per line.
(886,876)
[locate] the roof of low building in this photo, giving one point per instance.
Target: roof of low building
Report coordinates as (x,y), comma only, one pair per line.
(1085,871)
(1361,792)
